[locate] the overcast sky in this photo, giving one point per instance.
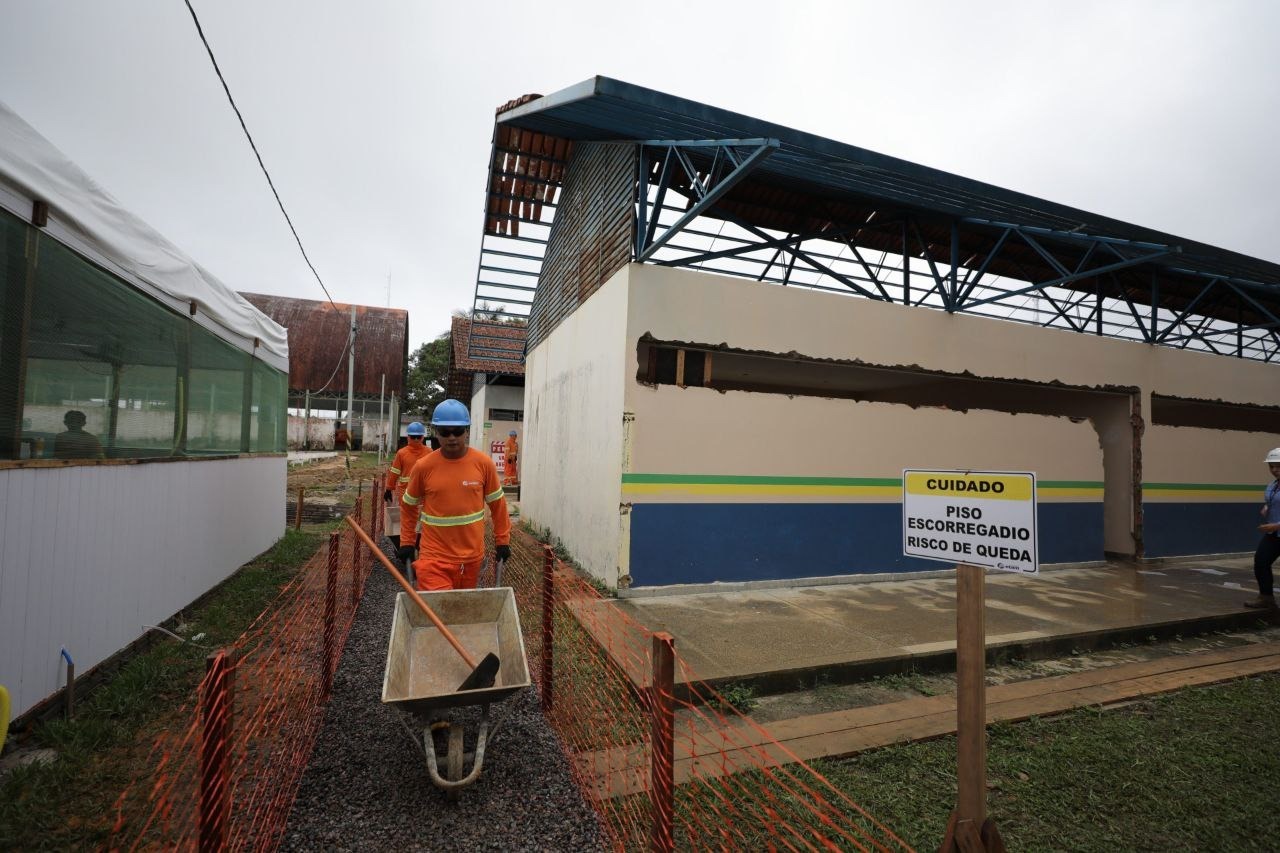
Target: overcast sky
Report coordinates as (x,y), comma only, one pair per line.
(375,117)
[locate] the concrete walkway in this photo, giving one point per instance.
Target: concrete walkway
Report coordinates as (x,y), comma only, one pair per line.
(784,639)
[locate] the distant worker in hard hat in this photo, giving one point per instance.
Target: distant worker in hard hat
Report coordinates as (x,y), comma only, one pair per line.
(446,496)
(513,450)
(76,443)
(1269,547)
(406,457)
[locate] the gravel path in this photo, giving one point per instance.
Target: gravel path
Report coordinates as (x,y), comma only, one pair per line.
(367,786)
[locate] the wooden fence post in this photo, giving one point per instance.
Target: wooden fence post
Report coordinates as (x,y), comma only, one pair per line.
(216,696)
(662,747)
(330,615)
(548,628)
(297,509)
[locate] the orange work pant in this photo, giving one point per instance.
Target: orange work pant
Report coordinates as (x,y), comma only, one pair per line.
(433,575)
(511,472)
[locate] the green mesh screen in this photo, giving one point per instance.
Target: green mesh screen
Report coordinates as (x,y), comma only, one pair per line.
(93,368)
(270,395)
(216,399)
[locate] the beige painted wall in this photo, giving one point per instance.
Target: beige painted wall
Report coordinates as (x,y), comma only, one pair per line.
(1195,455)
(842,438)
(572,441)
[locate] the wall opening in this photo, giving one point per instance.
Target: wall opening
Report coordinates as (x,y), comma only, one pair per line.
(1109,411)
(1212,414)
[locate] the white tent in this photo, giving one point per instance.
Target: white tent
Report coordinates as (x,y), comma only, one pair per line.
(87,219)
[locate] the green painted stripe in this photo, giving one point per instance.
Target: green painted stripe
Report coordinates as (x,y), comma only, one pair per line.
(1203,487)
(737,480)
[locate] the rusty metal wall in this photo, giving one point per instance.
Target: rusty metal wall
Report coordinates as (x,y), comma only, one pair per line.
(318,335)
(592,236)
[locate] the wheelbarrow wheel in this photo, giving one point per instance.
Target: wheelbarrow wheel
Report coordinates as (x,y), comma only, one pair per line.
(454,767)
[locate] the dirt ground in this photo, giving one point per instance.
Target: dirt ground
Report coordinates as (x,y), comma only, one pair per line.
(335,480)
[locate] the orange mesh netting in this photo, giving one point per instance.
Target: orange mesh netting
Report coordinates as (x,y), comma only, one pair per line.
(735,786)
(254,717)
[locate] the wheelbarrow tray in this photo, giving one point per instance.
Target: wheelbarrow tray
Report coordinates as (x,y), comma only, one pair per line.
(391,523)
(424,671)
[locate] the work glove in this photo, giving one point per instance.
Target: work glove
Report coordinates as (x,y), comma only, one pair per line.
(386,496)
(405,554)
(502,552)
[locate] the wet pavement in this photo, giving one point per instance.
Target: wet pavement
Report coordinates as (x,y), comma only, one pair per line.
(780,639)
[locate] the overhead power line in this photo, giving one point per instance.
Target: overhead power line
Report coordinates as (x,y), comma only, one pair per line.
(249,136)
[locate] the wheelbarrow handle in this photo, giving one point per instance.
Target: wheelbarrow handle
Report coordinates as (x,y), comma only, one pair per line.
(413,594)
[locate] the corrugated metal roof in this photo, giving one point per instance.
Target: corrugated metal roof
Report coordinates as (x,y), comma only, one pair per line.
(318,336)
(500,337)
(810,180)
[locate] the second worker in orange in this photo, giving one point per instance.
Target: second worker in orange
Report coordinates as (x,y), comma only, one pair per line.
(445,499)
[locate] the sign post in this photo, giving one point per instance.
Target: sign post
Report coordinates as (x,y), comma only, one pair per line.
(975,520)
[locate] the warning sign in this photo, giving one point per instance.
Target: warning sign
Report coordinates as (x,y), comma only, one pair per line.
(981,518)
(498,450)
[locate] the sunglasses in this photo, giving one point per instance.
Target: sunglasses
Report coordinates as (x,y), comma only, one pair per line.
(450,432)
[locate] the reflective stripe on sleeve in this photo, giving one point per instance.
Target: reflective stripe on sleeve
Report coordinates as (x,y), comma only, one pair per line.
(493,496)
(410,499)
(451,520)
(404,479)
(395,470)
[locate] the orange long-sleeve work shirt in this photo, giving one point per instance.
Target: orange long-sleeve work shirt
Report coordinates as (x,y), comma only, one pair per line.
(448,496)
(406,458)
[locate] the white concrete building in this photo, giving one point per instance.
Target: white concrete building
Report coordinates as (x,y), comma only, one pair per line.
(742,334)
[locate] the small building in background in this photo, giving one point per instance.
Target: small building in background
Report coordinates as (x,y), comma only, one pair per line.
(318,369)
(142,423)
(492,387)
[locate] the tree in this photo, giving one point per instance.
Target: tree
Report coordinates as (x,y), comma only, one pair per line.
(428,377)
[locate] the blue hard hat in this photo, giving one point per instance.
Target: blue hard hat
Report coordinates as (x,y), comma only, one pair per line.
(416,428)
(450,413)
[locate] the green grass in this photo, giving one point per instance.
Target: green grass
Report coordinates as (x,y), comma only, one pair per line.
(67,803)
(1194,770)
(736,696)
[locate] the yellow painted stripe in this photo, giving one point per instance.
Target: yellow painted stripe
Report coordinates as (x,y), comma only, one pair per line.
(1199,496)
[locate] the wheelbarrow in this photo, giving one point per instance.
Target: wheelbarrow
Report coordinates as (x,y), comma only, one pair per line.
(423,673)
(391,523)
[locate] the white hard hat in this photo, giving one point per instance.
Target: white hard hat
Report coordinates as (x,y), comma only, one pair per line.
(1274,456)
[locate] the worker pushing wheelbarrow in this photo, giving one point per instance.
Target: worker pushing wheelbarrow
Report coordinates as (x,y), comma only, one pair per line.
(450,649)
(443,511)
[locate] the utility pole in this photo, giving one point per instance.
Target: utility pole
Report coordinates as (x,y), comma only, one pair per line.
(382,395)
(351,377)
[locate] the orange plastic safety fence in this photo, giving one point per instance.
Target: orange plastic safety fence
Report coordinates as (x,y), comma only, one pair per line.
(736,786)
(229,776)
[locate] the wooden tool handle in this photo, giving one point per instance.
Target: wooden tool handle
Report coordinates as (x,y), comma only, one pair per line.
(413,594)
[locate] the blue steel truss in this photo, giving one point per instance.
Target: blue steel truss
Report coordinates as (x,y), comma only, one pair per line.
(727,193)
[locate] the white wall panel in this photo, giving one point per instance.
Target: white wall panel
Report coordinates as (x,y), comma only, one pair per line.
(572,445)
(90,554)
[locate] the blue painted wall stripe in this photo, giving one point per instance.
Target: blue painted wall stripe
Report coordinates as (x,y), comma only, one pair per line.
(707,542)
(1174,529)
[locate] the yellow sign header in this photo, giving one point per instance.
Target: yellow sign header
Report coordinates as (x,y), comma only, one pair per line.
(957,484)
